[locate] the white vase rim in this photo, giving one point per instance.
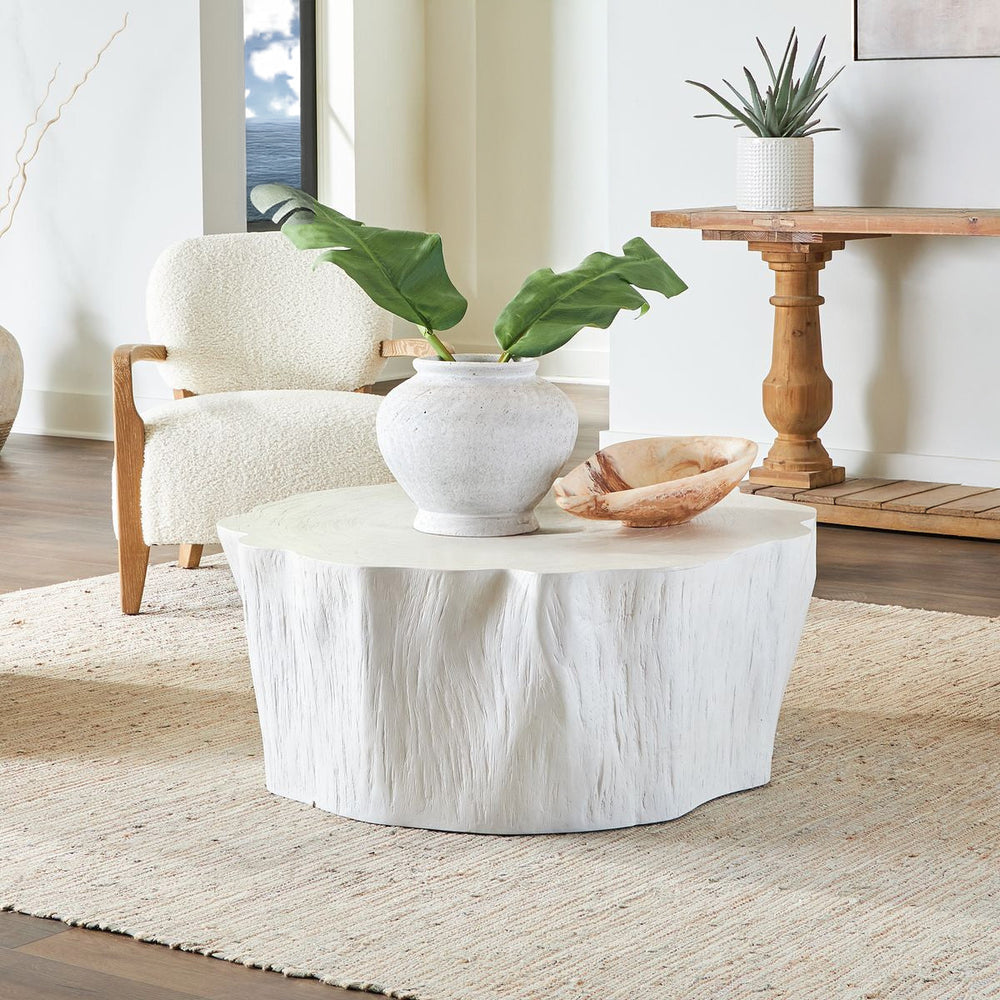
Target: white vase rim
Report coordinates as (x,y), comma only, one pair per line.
(775,138)
(477,364)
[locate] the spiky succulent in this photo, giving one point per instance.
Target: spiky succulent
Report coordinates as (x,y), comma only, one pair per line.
(786,108)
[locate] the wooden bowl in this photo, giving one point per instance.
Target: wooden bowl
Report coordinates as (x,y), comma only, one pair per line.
(652,482)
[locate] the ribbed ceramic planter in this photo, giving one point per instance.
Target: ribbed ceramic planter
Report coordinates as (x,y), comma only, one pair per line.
(774,175)
(11,382)
(476,444)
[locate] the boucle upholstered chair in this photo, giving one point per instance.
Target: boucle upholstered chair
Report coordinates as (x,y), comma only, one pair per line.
(270,362)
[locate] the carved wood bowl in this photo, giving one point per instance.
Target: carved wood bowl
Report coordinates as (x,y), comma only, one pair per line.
(652,482)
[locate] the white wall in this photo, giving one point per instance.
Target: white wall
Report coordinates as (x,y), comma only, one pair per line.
(517,152)
(371,117)
(480,120)
(909,326)
(117,179)
(335,113)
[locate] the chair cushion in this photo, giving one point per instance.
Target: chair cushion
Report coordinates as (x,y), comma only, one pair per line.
(211,456)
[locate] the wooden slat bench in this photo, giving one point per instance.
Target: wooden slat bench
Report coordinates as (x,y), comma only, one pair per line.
(899,505)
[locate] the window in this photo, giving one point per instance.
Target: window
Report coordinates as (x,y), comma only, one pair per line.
(280,63)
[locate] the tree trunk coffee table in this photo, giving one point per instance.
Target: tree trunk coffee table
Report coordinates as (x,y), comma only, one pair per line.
(585,677)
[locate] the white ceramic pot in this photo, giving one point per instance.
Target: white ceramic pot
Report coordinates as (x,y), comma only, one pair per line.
(774,175)
(476,444)
(11,382)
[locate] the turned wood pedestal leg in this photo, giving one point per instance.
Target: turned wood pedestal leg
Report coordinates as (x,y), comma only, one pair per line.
(798,394)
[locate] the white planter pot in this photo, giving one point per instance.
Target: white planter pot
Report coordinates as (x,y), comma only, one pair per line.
(476,444)
(774,175)
(11,382)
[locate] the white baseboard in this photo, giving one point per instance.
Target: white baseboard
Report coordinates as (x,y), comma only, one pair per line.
(572,380)
(395,368)
(865,464)
(71,414)
(64,414)
(570,365)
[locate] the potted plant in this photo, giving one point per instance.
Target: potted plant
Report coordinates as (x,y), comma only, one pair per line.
(476,440)
(774,166)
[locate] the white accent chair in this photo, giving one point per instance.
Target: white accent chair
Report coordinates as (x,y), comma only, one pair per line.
(270,362)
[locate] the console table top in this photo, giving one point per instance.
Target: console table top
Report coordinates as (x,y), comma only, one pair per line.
(840,221)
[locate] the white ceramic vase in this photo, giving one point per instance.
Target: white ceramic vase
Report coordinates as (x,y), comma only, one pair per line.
(774,175)
(11,382)
(476,444)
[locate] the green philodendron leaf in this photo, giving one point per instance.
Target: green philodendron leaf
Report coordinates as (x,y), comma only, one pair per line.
(403,272)
(551,308)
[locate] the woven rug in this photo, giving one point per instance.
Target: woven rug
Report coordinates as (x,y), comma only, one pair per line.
(132,799)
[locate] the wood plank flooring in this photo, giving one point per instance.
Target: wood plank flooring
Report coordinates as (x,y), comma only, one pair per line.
(46,960)
(55,525)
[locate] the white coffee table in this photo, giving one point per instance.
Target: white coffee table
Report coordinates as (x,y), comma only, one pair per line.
(585,677)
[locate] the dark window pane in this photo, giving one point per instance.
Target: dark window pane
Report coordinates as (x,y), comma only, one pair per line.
(273,94)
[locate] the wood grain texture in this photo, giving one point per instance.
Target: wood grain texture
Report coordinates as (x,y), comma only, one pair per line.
(519,688)
(28,977)
(17,930)
(879,495)
(925,523)
(130,443)
(776,492)
(409,347)
(797,392)
(831,494)
(80,951)
(978,505)
(910,570)
(189,556)
(838,220)
(898,505)
(921,502)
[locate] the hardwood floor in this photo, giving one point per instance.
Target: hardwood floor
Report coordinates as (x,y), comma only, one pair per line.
(55,525)
(46,960)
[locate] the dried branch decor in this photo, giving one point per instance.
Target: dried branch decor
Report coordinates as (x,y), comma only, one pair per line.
(35,131)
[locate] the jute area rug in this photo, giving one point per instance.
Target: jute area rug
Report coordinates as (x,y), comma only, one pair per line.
(132,799)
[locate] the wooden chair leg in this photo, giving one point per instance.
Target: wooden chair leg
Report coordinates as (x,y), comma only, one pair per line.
(189,556)
(133,552)
(133,558)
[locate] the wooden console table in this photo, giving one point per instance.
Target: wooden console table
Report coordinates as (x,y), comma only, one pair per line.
(797,392)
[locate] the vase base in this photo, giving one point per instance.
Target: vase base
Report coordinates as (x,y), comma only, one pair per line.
(475,525)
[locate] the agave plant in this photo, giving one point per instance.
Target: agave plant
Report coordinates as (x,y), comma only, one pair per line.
(787,107)
(404,272)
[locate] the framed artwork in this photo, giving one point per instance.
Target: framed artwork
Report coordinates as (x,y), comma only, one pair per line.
(926,29)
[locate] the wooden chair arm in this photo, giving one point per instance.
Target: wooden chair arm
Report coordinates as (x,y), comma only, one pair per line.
(413,347)
(122,394)
(140,352)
